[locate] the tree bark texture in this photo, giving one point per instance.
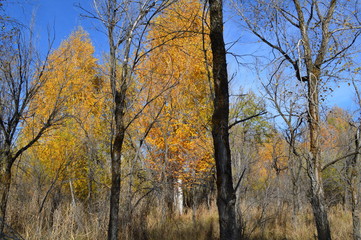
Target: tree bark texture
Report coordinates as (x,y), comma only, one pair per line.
(113,227)
(5,183)
(226,197)
(119,107)
(313,68)
(117,146)
(314,162)
(353,186)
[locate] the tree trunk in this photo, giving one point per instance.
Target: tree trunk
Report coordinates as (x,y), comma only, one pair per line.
(118,86)
(295,199)
(319,207)
(179,197)
(314,160)
(5,183)
(55,202)
(119,133)
(113,227)
(226,198)
(353,189)
(355,215)
(295,179)
(295,165)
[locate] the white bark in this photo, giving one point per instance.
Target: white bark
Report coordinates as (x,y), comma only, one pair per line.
(178,197)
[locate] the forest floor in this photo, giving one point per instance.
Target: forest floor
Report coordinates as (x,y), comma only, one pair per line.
(71,222)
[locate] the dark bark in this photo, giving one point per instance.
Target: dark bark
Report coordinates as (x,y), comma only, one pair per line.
(5,183)
(121,24)
(113,227)
(295,170)
(55,202)
(226,197)
(117,145)
(118,116)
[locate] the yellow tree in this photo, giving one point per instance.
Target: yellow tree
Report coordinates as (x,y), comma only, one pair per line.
(73,79)
(180,150)
(336,137)
(273,158)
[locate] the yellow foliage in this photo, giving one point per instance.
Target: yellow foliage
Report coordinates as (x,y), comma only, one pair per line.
(73,81)
(180,141)
(273,156)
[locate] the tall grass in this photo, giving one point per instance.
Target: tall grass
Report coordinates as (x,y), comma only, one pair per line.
(79,223)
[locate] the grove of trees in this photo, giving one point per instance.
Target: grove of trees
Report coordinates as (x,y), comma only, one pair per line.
(154,141)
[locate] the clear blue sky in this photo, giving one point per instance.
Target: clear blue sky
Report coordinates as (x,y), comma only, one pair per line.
(62,17)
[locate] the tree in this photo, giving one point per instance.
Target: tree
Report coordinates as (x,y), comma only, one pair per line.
(312,42)
(340,141)
(126,23)
(179,143)
(249,130)
(288,101)
(226,197)
(354,172)
(72,71)
(22,79)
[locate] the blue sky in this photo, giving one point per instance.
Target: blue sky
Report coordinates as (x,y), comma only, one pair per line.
(343,94)
(62,17)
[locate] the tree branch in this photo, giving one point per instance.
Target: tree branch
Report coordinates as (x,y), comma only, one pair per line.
(338,159)
(246,119)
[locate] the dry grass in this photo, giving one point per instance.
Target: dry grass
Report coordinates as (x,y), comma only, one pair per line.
(69,222)
(302,226)
(77,223)
(200,225)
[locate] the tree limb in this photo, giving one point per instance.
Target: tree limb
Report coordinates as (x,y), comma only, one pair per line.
(338,159)
(246,119)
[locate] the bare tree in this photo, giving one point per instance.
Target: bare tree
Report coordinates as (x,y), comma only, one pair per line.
(287,101)
(22,78)
(126,23)
(311,37)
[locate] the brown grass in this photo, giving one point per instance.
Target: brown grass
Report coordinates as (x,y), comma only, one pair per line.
(203,224)
(76,222)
